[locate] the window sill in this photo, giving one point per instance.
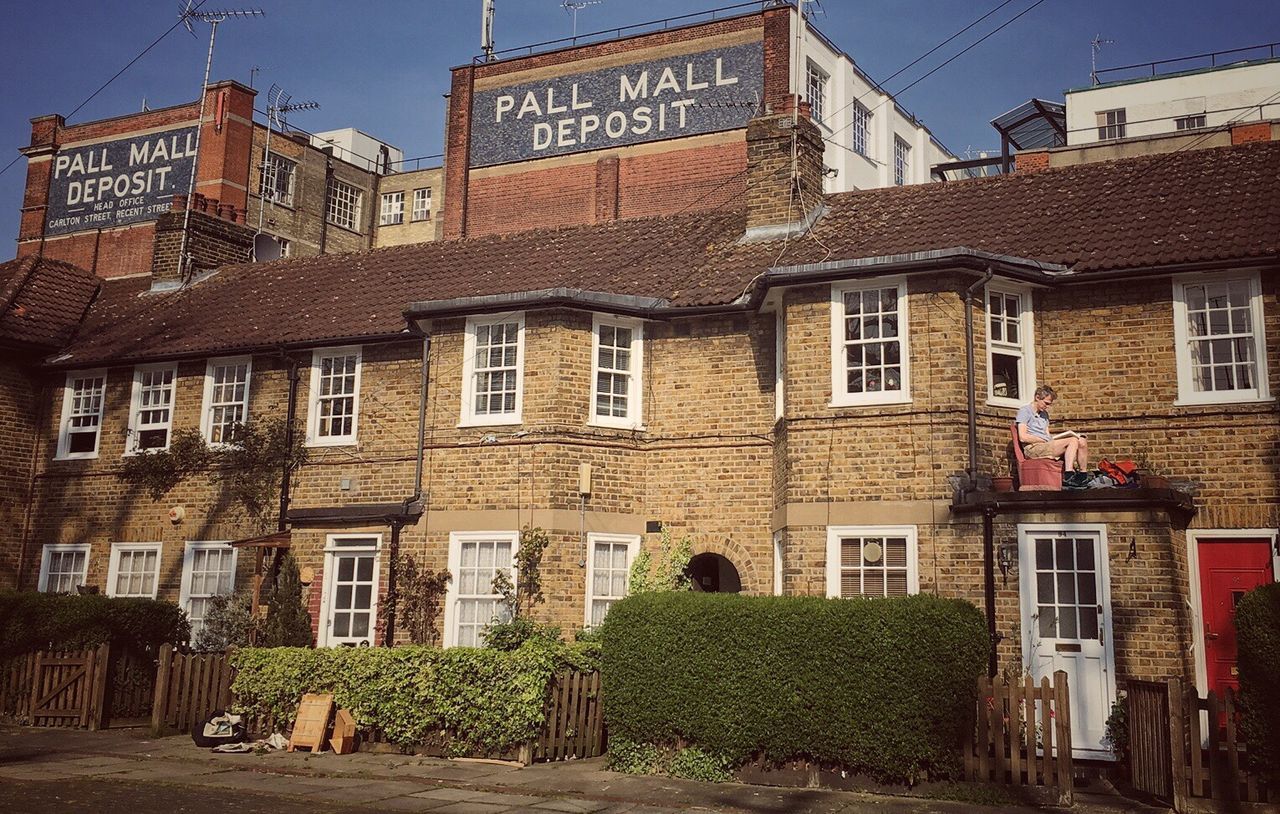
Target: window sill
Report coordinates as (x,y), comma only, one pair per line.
(629,426)
(1224,402)
(76,456)
(349,229)
(490,420)
(869,402)
(1012,404)
(344,441)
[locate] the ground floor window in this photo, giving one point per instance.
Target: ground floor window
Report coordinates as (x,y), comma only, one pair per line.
(134,570)
(608,571)
(208,570)
(63,568)
(871,561)
(472,604)
(351,593)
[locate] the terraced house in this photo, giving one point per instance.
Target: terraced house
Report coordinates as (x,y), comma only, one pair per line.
(816,390)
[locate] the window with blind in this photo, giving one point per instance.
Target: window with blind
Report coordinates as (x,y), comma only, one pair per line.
(871,561)
(208,570)
(608,572)
(63,568)
(472,604)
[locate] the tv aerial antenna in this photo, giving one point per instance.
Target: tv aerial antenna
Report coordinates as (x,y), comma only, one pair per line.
(574,6)
(486,30)
(189,14)
(279,106)
(1095,46)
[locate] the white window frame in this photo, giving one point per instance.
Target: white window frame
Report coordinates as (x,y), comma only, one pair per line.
(470,418)
(816,82)
(901,161)
(861,127)
(391,212)
(188,561)
(779,364)
(456,539)
(421,205)
(1192,121)
(113,568)
(840,397)
(345,204)
(1025,350)
(61,548)
(635,373)
(135,409)
(272,168)
(778,556)
(1111,123)
(64,439)
(631,541)
(207,405)
(836,533)
(335,545)
(314,438)
(1187,394)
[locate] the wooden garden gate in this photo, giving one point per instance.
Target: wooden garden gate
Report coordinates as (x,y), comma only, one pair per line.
(67,687)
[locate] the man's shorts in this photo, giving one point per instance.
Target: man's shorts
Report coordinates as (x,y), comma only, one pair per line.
(1040,449)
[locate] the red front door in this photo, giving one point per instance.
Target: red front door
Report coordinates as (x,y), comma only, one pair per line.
(1229,568)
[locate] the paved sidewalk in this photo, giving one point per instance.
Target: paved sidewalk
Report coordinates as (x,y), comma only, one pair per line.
(59,762)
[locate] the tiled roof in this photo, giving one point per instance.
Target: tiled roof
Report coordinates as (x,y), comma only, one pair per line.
(1162,210)
(42,301)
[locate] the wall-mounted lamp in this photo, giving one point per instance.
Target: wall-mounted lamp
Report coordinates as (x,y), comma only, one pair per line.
(1007,556)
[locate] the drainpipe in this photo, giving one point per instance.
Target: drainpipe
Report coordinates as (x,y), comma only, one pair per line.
(288,441)
(972,469)
(393,567)
(989,583)
(389,630)
(422,413)
(324,203)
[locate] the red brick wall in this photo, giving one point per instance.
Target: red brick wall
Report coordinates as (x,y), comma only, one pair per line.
(1032,161)
(107,253)
(1256,131)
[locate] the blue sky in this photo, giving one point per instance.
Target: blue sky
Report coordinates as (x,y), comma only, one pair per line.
(382,65)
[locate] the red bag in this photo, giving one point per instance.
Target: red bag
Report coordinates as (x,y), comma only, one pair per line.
(1122,472)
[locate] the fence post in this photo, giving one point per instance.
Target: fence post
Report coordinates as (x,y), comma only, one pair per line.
(1177,745)
(97,695)
(161,694)
(1062,728)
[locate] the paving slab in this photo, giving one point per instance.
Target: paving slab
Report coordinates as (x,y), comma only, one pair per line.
(467,807)
(446,794)
(345,790)
(410,804)
(509,800)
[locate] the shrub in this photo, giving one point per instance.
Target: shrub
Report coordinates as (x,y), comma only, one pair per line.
(1258,627)
(487,700)
(288,623)
(228,621)
(668,572)
(877,686)
(512,635)
(31,621)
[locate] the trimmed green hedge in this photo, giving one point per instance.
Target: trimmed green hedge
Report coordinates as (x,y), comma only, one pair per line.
(1258,628)
(32,621)
(488,701)
(881,687)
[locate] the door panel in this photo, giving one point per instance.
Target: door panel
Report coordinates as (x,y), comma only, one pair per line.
(351,603)
(1229,568)
(1066,617)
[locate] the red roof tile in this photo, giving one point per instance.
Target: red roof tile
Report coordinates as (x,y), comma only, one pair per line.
(42,301)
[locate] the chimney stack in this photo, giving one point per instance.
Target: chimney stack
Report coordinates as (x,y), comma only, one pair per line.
(781,190)
(218,236)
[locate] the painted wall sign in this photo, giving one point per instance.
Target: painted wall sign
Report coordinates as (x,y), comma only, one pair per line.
(114,183)
(665,98)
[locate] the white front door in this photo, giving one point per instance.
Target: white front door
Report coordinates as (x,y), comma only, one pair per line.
(350,612)
(1066,622)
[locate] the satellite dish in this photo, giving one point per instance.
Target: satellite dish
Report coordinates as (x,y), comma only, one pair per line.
(265,248)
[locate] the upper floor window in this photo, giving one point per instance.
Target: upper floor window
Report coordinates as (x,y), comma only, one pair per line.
(335,396)
(869,351)
(1221,347)
(82,404)
(276,179)
(1010,346)
(871,561)
(901,162)
(151,409)
(392,209)
(492,372)
(816,91)
(422,204)
(615,380)
(226,398)
(861,129)
(1189,122)
(63,567)
(134,570)
(1111,123)
(344,205)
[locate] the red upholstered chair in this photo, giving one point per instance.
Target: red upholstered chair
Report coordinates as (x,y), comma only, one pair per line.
(1044,474)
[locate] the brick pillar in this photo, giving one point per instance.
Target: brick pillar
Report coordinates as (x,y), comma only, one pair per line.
(45,139)
(457,153)
(777,192)
(1253,131)
(226,144)
(213,241)
(607,189)
(777,56)
(1031,161)
(314,592)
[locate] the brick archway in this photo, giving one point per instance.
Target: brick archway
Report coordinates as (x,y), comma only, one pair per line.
(736,555)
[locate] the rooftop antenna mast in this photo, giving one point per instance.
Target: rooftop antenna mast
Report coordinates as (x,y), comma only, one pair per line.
(279,106)
(188,15)
(574,6)
(1096,46)
(486,30)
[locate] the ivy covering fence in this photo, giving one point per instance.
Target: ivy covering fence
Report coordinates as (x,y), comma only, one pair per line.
(1258,627)
(487,701)
(698,684)
(36,621)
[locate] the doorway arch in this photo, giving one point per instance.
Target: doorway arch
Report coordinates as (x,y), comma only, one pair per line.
(714,573)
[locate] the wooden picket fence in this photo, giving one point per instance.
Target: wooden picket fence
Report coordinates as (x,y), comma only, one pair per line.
(1021,735)
(189,687)
(1185,748)
(56,688)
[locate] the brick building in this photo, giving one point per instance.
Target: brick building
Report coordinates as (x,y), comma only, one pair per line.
(791,394)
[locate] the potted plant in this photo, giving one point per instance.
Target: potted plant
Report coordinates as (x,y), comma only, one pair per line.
(1147,478)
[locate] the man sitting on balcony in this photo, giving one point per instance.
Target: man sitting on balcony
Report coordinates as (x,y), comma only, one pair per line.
(1033,434)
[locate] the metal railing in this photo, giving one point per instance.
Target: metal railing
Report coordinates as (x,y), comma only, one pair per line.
(1215,58)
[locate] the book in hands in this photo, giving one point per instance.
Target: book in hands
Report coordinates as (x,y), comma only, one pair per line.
(1068,434)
